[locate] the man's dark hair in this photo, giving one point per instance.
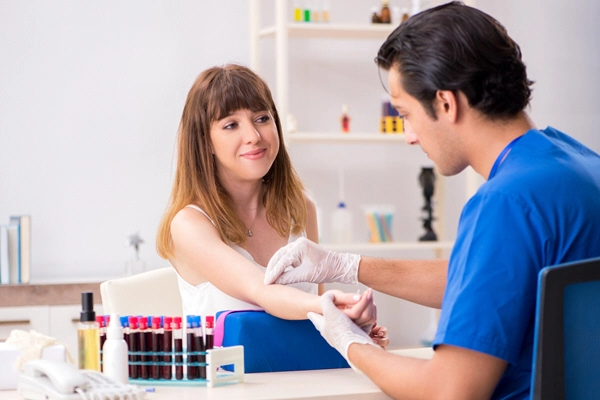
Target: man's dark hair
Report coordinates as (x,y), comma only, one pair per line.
(459,48)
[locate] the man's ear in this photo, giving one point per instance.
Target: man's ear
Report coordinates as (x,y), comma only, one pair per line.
(447,105)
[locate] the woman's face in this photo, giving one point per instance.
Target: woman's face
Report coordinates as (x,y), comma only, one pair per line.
(245,144)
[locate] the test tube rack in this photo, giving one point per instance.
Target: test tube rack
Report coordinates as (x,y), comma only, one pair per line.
(232,358)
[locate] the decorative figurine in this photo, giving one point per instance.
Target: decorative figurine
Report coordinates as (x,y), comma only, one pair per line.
(135,265)
(427,181)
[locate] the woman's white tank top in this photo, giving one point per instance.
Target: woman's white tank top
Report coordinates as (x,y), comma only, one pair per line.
(205,299)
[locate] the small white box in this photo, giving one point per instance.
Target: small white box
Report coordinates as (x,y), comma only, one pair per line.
(9,376)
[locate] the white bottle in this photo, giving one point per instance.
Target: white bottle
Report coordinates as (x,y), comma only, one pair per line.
(341,222)
(114,352)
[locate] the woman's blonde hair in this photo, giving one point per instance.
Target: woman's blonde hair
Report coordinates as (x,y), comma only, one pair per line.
(216,93)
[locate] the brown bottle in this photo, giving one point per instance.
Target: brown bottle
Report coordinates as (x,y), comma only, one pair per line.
(404,14)
(374,17)
(385,16)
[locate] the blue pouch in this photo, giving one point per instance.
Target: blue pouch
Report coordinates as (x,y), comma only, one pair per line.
(273,344)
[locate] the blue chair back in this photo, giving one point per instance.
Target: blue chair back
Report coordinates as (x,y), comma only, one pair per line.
(566,359)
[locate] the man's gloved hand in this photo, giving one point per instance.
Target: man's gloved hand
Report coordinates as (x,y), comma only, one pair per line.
(311,263)
(339,330)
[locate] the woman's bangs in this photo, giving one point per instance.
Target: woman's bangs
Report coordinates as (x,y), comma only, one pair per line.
(237,94)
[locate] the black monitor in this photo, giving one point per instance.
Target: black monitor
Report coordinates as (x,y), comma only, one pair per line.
(567,332)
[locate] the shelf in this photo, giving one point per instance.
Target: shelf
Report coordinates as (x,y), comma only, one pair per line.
(357,247)
(319,137)
(332,31)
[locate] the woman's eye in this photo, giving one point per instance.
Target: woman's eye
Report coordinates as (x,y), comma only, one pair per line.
(262,119)
(230,126)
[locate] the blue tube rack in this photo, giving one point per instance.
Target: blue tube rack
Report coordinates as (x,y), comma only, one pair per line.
(230,357)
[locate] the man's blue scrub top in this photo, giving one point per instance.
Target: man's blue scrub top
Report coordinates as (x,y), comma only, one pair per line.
(541,208)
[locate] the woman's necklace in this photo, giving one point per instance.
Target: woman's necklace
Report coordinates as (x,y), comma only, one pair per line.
(250,227)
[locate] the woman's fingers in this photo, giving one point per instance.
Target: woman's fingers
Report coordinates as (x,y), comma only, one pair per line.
(379,336)
(364,311)
(344,300)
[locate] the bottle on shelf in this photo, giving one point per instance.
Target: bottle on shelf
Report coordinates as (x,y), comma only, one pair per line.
(341,219)
(115,361)
(315,10)
(325,11)
(306,11)
(374,16)
(345,119)
(405,15)
(341,222)
(88,334)
(297,11)
(385,15)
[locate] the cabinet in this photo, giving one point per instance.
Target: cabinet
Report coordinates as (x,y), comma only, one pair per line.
(50,309)
(59,322)
(24,318)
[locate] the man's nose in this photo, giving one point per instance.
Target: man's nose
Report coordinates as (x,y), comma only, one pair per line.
(409,135)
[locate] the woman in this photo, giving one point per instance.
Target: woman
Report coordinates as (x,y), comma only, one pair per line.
(236,199)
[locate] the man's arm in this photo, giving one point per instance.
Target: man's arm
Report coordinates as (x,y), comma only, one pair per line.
(419,281)
(452,373)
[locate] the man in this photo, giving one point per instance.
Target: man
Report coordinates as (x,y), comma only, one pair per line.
(459,81)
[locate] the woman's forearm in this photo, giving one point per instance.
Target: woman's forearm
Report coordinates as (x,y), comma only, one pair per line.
(287,302)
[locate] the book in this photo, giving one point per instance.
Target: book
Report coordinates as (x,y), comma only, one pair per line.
(4,265)
(13,254)
(24,264)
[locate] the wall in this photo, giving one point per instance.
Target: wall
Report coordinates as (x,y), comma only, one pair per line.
(91,99)
(91,95)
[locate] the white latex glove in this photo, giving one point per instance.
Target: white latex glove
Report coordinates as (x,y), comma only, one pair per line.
(311,263)
(339,330)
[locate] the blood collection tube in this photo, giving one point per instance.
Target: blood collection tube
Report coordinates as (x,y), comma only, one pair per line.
(167,370)
(125,325)
(210,325)
(145,337)
(191,348)
(149,334)
(157,339)
(178,347)
(134,347)
(200,347)
(102,333)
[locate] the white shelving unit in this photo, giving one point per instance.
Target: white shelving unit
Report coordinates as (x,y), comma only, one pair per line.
(282,31)
(327,137)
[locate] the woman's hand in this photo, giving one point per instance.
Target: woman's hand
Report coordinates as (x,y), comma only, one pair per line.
(379,335)
(359,308)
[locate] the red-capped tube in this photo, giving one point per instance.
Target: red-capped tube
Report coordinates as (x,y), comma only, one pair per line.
(210,325)
(102,333)
(178,347)
(167,348)
(145,336)
(157,339)
(134,346)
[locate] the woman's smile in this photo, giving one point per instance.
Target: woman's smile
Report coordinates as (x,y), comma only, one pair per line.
(254,154)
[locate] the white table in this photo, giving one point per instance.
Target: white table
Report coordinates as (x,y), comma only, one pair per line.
(330,384)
